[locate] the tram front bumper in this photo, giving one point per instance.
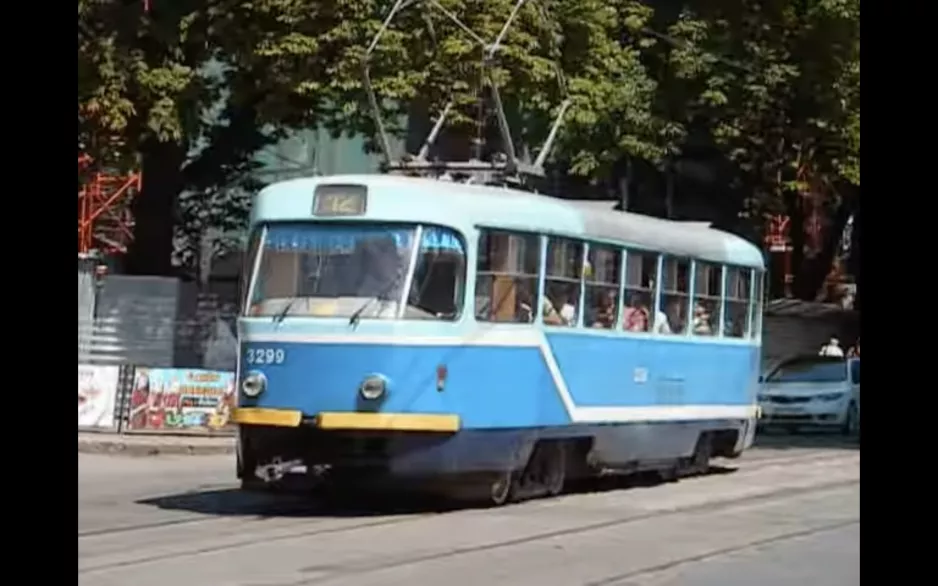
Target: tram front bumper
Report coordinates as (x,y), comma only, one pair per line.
(400,443)
(348,421)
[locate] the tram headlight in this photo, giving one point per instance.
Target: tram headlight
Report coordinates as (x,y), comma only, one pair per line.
(253,384)
(373,388)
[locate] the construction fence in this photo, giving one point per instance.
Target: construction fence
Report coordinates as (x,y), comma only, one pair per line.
(154,353)
(143,399)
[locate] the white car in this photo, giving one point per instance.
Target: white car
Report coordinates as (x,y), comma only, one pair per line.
(812,391)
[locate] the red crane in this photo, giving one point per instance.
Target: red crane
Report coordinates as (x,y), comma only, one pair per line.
(104,219)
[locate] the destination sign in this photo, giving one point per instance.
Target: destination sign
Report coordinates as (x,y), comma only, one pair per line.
(340,200)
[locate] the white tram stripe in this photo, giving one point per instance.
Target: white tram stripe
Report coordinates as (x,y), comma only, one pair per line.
(527,338)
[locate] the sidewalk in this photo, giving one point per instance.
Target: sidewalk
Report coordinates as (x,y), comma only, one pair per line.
(138,444)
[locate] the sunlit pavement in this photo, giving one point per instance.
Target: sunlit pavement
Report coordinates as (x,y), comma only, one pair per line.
(788,514)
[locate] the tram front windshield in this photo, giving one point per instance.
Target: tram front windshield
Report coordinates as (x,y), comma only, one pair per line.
(356,269)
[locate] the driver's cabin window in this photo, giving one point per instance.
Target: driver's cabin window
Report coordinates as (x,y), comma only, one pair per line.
(437,289)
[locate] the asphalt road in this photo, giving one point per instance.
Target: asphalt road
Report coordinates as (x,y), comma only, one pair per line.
(787,515)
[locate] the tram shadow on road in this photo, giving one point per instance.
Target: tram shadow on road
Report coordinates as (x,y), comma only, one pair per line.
(774,438)
(297,502)
(636,480)
(303,502)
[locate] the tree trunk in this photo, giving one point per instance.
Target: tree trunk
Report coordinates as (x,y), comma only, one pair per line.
(810,274)
(794,208)
(154,210)
(853,265)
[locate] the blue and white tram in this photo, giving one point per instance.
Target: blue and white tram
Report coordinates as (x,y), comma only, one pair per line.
(427,330)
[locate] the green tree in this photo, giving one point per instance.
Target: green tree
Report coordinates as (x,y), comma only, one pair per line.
(776,86)
(191,90)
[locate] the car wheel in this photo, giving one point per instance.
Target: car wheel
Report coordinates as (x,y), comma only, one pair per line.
(851,424)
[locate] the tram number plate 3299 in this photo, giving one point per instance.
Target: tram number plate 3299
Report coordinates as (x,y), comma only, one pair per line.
(264,356)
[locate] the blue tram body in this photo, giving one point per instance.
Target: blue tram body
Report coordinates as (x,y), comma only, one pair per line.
(462,393)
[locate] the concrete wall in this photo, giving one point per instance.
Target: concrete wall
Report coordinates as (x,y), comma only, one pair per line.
(802,328)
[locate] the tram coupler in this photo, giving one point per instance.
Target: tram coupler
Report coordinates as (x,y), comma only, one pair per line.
(276,469)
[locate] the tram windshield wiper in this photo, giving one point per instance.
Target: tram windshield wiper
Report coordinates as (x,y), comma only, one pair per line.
(357,314)
(280,315)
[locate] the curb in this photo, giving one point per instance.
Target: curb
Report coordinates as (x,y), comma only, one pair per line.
(141,447)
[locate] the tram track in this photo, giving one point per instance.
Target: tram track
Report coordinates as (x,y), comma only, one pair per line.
(745,463)
(288,535)
(251,541)
(351,570)
(107,531)
(623,578)
(279,509)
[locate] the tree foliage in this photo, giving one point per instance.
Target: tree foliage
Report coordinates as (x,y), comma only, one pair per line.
(775,86)
(190,91)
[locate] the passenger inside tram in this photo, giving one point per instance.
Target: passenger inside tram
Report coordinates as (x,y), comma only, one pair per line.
(635,314)
(702,319)
(604,309)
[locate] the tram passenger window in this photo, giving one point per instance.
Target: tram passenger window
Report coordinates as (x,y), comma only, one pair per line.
(640,274)
(675,289)
(506,277)
(439,277)
(759,300)
(602,286)
(736,308)
(562,282)
(707,306)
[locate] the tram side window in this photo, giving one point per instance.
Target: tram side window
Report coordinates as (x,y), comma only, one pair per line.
(506,277)
(640,274)
(439,277)
(757,310)
(602,286)
(736,303)
(562,282)
(675,289)
(707,306)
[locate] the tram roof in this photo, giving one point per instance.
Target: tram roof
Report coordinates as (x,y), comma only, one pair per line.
(400,198)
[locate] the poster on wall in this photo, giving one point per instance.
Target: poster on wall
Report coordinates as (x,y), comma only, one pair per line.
(97,395)
(181,398)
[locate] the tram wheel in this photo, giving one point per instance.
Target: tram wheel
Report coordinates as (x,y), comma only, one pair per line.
(502,489)
(245,471)
(700,461)
(555,468)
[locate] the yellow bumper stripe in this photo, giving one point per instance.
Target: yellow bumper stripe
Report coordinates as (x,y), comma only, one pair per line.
(388,422)
(258,416)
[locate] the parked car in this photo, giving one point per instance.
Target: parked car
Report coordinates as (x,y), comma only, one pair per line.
(812,391)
